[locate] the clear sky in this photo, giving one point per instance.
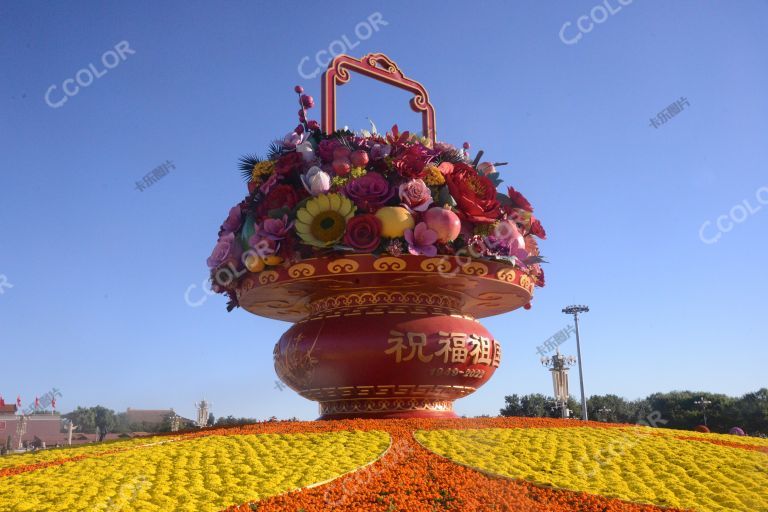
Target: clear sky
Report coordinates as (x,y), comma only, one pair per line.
(99,269)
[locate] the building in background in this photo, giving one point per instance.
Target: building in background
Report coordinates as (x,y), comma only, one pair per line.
(39,429)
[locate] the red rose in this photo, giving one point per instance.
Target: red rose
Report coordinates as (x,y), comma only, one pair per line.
(290,163)
(363,232)
(475,195)
(518,200)
(412,162)
(278,197)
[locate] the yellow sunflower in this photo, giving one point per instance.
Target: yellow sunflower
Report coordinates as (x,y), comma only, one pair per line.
(322,221)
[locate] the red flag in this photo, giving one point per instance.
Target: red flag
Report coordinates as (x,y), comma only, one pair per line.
(18,401)
(37,403)
(53,403)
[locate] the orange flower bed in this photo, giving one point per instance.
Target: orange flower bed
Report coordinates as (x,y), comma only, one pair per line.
(410,478)
(16,470)
(730,444)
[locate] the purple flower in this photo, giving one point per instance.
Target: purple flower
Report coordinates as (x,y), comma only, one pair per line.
(234,220)
(293,139)
(369,192)
(262,246)
(228,249)
(421,240)
(274,229)
(509,235)
(415,195)
(380,151)
(316,181)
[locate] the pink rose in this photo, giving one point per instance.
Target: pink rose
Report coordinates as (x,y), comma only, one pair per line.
(415,195)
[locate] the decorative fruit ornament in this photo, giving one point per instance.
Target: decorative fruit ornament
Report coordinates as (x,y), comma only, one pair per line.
(254,263)
(273,260)
(394,221)
(359,158)
(444,222)
(341,166)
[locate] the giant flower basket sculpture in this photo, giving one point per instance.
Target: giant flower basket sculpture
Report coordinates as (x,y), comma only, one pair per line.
(383,250)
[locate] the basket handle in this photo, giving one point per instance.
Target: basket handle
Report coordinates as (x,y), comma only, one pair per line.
(379,67)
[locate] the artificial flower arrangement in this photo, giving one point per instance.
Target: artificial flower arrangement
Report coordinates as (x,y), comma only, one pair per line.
(325,194)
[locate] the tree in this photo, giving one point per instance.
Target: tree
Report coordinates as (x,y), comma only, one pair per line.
(211,420)
(231,420)
(84,418)
(676,409)
(97,419)
(753,412)
(105,421)
(611,408)
(536,406)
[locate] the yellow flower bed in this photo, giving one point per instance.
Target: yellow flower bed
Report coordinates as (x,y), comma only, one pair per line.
(51,454)
(752,441)
(202,474)
(616,462)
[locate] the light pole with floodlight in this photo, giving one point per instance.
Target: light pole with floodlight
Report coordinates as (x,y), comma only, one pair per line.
(575,310)
(703,403)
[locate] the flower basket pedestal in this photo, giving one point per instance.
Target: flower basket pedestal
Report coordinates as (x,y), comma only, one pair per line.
(386,337)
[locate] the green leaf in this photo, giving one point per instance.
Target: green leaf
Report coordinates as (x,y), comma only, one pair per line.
(277,213)
(246,164)
(444,197)
(503,199)
(495,178)
(247,232)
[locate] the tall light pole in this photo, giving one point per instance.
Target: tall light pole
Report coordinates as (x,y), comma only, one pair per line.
(703,403)
(575,310)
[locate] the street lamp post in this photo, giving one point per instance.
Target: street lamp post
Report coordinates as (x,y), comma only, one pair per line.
(575,310)
(703,403)
(558,364)
(21,428)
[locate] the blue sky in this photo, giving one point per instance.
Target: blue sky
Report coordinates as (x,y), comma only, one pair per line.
(99,269)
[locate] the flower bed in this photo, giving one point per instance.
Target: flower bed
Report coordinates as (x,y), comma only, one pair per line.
(522,464)
(622,463)
(198,474)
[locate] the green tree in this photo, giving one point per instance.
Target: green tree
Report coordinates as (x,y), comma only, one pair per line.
(753,412)
(105,420)
(676,409)
(84,418)
(536,406)
(611,408)
(211,420)
(231,420)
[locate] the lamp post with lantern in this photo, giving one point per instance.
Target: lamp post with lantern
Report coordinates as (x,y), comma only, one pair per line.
(559,364)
